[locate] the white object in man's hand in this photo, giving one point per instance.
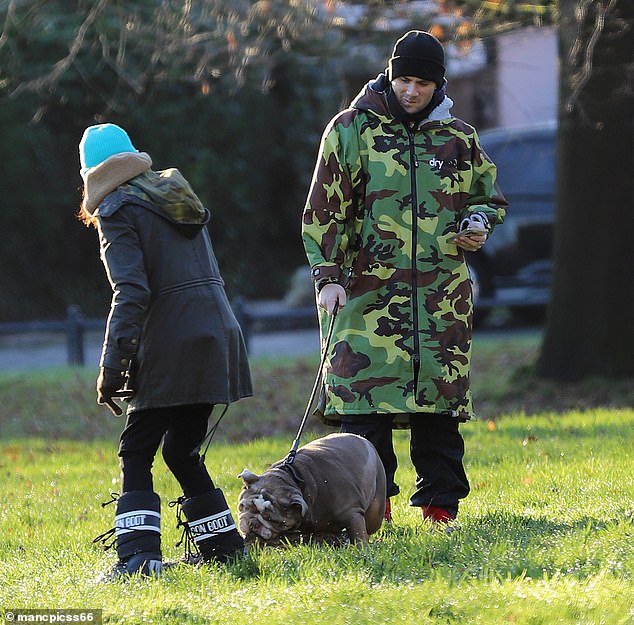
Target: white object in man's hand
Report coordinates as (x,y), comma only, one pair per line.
(473,233)
(330,295)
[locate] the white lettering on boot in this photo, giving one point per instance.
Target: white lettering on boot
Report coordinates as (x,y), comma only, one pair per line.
(136,520)
(210,526)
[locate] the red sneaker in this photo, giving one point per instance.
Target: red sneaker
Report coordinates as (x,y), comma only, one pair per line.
(388,510)
(439,515)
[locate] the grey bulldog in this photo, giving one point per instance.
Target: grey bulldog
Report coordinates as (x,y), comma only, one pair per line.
(335,483)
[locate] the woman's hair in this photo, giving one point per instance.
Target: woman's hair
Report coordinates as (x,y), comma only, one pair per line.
(87,218)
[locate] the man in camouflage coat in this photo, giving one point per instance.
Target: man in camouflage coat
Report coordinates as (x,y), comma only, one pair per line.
(396,178)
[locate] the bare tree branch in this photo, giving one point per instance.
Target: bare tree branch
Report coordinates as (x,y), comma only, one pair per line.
(62,65)
(135,44)
(586,67)
(4,37)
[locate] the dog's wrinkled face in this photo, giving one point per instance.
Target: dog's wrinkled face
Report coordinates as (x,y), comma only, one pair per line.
(268,507)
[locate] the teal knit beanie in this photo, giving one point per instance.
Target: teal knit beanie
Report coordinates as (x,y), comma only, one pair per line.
(101,142)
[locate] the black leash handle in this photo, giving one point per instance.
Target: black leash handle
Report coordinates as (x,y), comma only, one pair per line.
(293,452)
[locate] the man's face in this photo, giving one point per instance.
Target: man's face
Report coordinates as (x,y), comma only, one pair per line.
(413,93)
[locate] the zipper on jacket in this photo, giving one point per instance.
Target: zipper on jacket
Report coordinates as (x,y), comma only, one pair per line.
(415,329)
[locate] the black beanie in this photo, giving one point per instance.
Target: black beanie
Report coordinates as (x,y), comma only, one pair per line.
(419,54)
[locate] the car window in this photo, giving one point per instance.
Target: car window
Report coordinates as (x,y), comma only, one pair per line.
(526,166)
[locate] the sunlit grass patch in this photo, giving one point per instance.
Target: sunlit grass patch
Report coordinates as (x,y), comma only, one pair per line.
(544,537)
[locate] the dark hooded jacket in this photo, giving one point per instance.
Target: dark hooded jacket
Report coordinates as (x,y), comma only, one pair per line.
(170,322)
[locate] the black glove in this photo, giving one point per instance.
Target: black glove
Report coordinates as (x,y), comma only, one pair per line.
(110,384)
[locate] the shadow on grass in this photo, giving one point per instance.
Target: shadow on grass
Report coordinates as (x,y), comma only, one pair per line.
(496,547)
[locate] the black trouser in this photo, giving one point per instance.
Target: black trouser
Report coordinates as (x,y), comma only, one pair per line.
(436,451)
(182,430)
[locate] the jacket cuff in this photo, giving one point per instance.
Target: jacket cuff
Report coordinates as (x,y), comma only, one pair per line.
(119,357)
(320,284)
(331,273)
(323,275)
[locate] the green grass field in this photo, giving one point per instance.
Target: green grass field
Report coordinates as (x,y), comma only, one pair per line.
(546,536)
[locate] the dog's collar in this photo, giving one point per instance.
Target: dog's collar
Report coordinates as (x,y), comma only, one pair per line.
(292,471)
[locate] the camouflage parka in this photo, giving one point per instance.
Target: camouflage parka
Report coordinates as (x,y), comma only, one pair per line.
(385,199)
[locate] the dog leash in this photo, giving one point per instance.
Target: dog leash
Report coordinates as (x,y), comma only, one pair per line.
(293,452)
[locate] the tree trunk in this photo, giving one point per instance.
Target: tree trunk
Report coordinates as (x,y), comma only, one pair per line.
(590,324)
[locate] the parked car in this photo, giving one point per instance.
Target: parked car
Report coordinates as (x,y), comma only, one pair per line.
(514,268)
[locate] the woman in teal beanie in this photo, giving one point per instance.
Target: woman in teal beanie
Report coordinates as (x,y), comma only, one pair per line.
(172,345)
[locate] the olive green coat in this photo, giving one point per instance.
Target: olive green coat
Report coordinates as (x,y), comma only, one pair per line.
(384,201)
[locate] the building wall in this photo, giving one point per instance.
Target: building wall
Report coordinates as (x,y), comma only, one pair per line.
(527,76)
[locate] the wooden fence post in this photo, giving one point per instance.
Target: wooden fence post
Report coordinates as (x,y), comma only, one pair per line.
(75,336)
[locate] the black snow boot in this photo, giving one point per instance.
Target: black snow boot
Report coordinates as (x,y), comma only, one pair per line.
(211,527)
(137,535)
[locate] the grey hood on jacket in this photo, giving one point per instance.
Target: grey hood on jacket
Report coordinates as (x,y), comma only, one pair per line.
(373,97)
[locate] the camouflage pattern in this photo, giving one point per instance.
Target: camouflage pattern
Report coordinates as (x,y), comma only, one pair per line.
(384,201)
(169,190)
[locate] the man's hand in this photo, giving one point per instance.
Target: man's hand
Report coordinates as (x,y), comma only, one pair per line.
(330,295)
(109,385)
(471,242)
(478,226)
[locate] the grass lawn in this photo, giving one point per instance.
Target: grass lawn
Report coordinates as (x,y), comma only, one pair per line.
(545,537)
